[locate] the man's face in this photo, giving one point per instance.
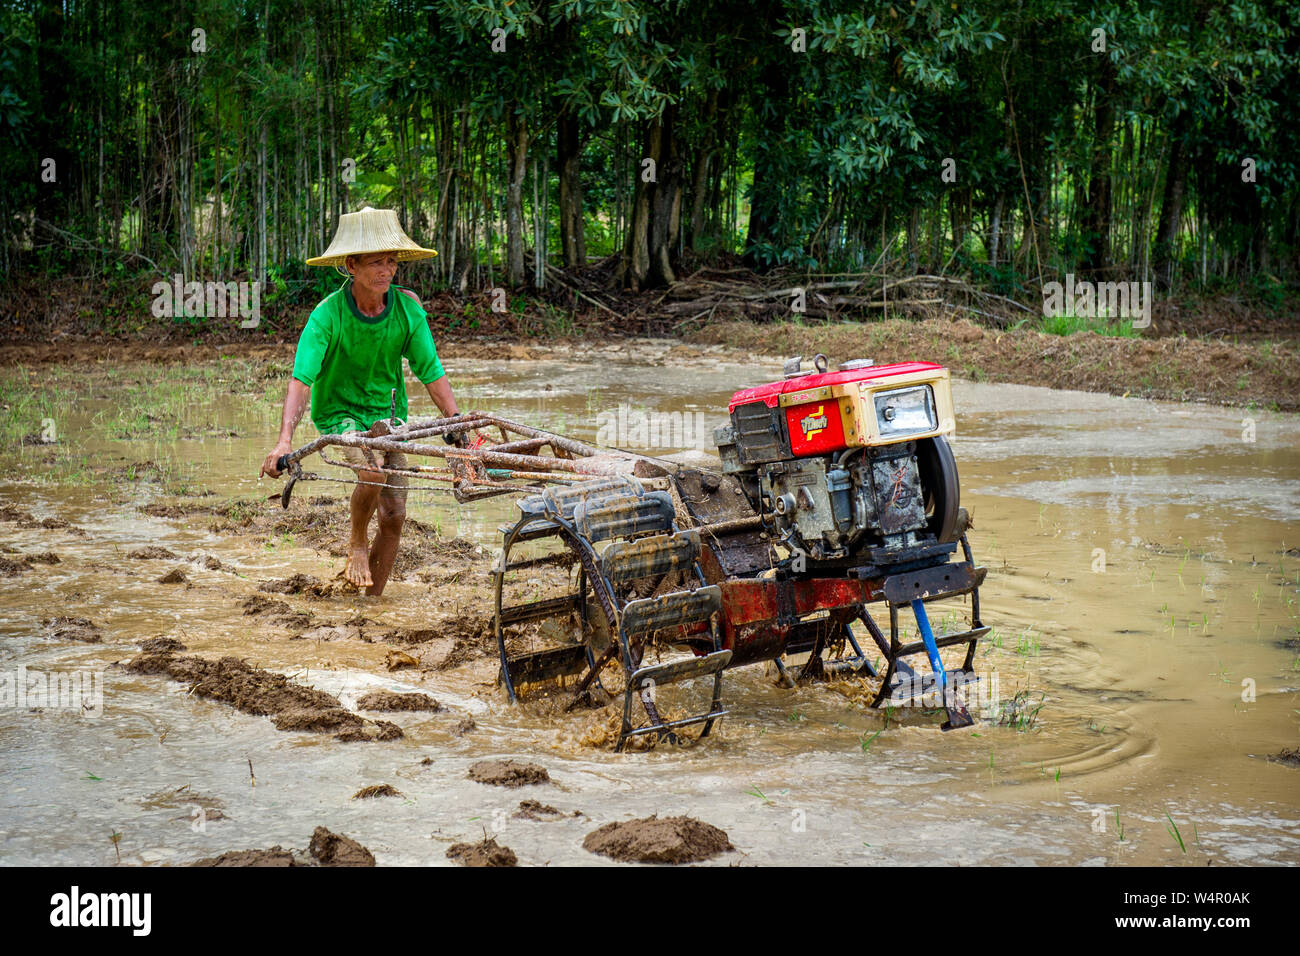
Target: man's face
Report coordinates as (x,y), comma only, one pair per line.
(373,272)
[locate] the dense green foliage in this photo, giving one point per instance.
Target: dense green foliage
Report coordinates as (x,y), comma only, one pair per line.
(222,138)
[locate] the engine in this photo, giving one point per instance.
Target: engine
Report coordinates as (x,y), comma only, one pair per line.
(850,466)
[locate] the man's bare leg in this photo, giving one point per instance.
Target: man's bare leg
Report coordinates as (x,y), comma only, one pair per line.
(392,514)
(365,498)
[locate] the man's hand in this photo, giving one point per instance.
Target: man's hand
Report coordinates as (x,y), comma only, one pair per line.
(282,447)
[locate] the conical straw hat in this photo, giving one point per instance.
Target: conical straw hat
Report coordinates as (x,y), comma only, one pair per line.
(367,231)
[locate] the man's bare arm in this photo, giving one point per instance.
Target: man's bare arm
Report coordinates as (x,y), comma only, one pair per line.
(440,392)
(296,402)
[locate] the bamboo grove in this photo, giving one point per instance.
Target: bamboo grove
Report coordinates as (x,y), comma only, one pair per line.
(1007,141)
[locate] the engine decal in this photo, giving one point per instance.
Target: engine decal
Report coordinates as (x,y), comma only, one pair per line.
(815,423)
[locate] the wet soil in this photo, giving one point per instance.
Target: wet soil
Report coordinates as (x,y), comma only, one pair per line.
(486,853)
(162,645)
(508,773)
(387,700)
(294,584)
(255,691)
(26,521)
(74,629)
(334,849)
(656,840)
(1290,757)
(152,552)
(1104,696)
(275,856)
(13,567)
(326,849)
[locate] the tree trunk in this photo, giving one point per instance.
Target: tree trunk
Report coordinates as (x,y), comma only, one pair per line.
(1096,213)
(516,167)
(568,150)
(700,180)
(1171,208)
(995,227)
(52,74)
(764,210)
(656,209)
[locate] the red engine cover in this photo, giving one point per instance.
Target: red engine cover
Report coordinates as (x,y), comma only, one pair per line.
(815,428)
(771,393)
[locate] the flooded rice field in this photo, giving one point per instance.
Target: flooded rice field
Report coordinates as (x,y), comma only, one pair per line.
(1142,586)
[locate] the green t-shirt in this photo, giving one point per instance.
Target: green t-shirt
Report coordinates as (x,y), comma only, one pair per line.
(353,361)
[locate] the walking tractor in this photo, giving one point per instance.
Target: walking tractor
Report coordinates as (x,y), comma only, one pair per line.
(623,574)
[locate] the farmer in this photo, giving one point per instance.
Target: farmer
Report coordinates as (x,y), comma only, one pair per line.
(348,361)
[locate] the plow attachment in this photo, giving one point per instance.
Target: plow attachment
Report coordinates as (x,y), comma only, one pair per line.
(485,468)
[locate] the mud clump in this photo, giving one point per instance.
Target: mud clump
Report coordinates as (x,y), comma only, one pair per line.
(254,691)
(652,840)
(25,520)
(168,511)
(464,726)
(334,849)
(383,730)
(162,645)
(1290,757)
(487,853)
(294,584)
(11,569)
(536,810)
(275,856)
(396,660)
(411,636)
(174,576)
(331,720)
(325,849)
(508,773)
(376,790)
(44,557)
(151,553)
(389,701)
(74,629)
(260,606)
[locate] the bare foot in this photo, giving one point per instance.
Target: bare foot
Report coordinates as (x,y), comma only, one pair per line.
(357,570)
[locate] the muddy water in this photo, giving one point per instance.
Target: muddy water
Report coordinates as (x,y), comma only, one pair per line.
(1140,585)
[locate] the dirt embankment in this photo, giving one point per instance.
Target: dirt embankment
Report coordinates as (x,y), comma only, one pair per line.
(1181,369)
(1226,348)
